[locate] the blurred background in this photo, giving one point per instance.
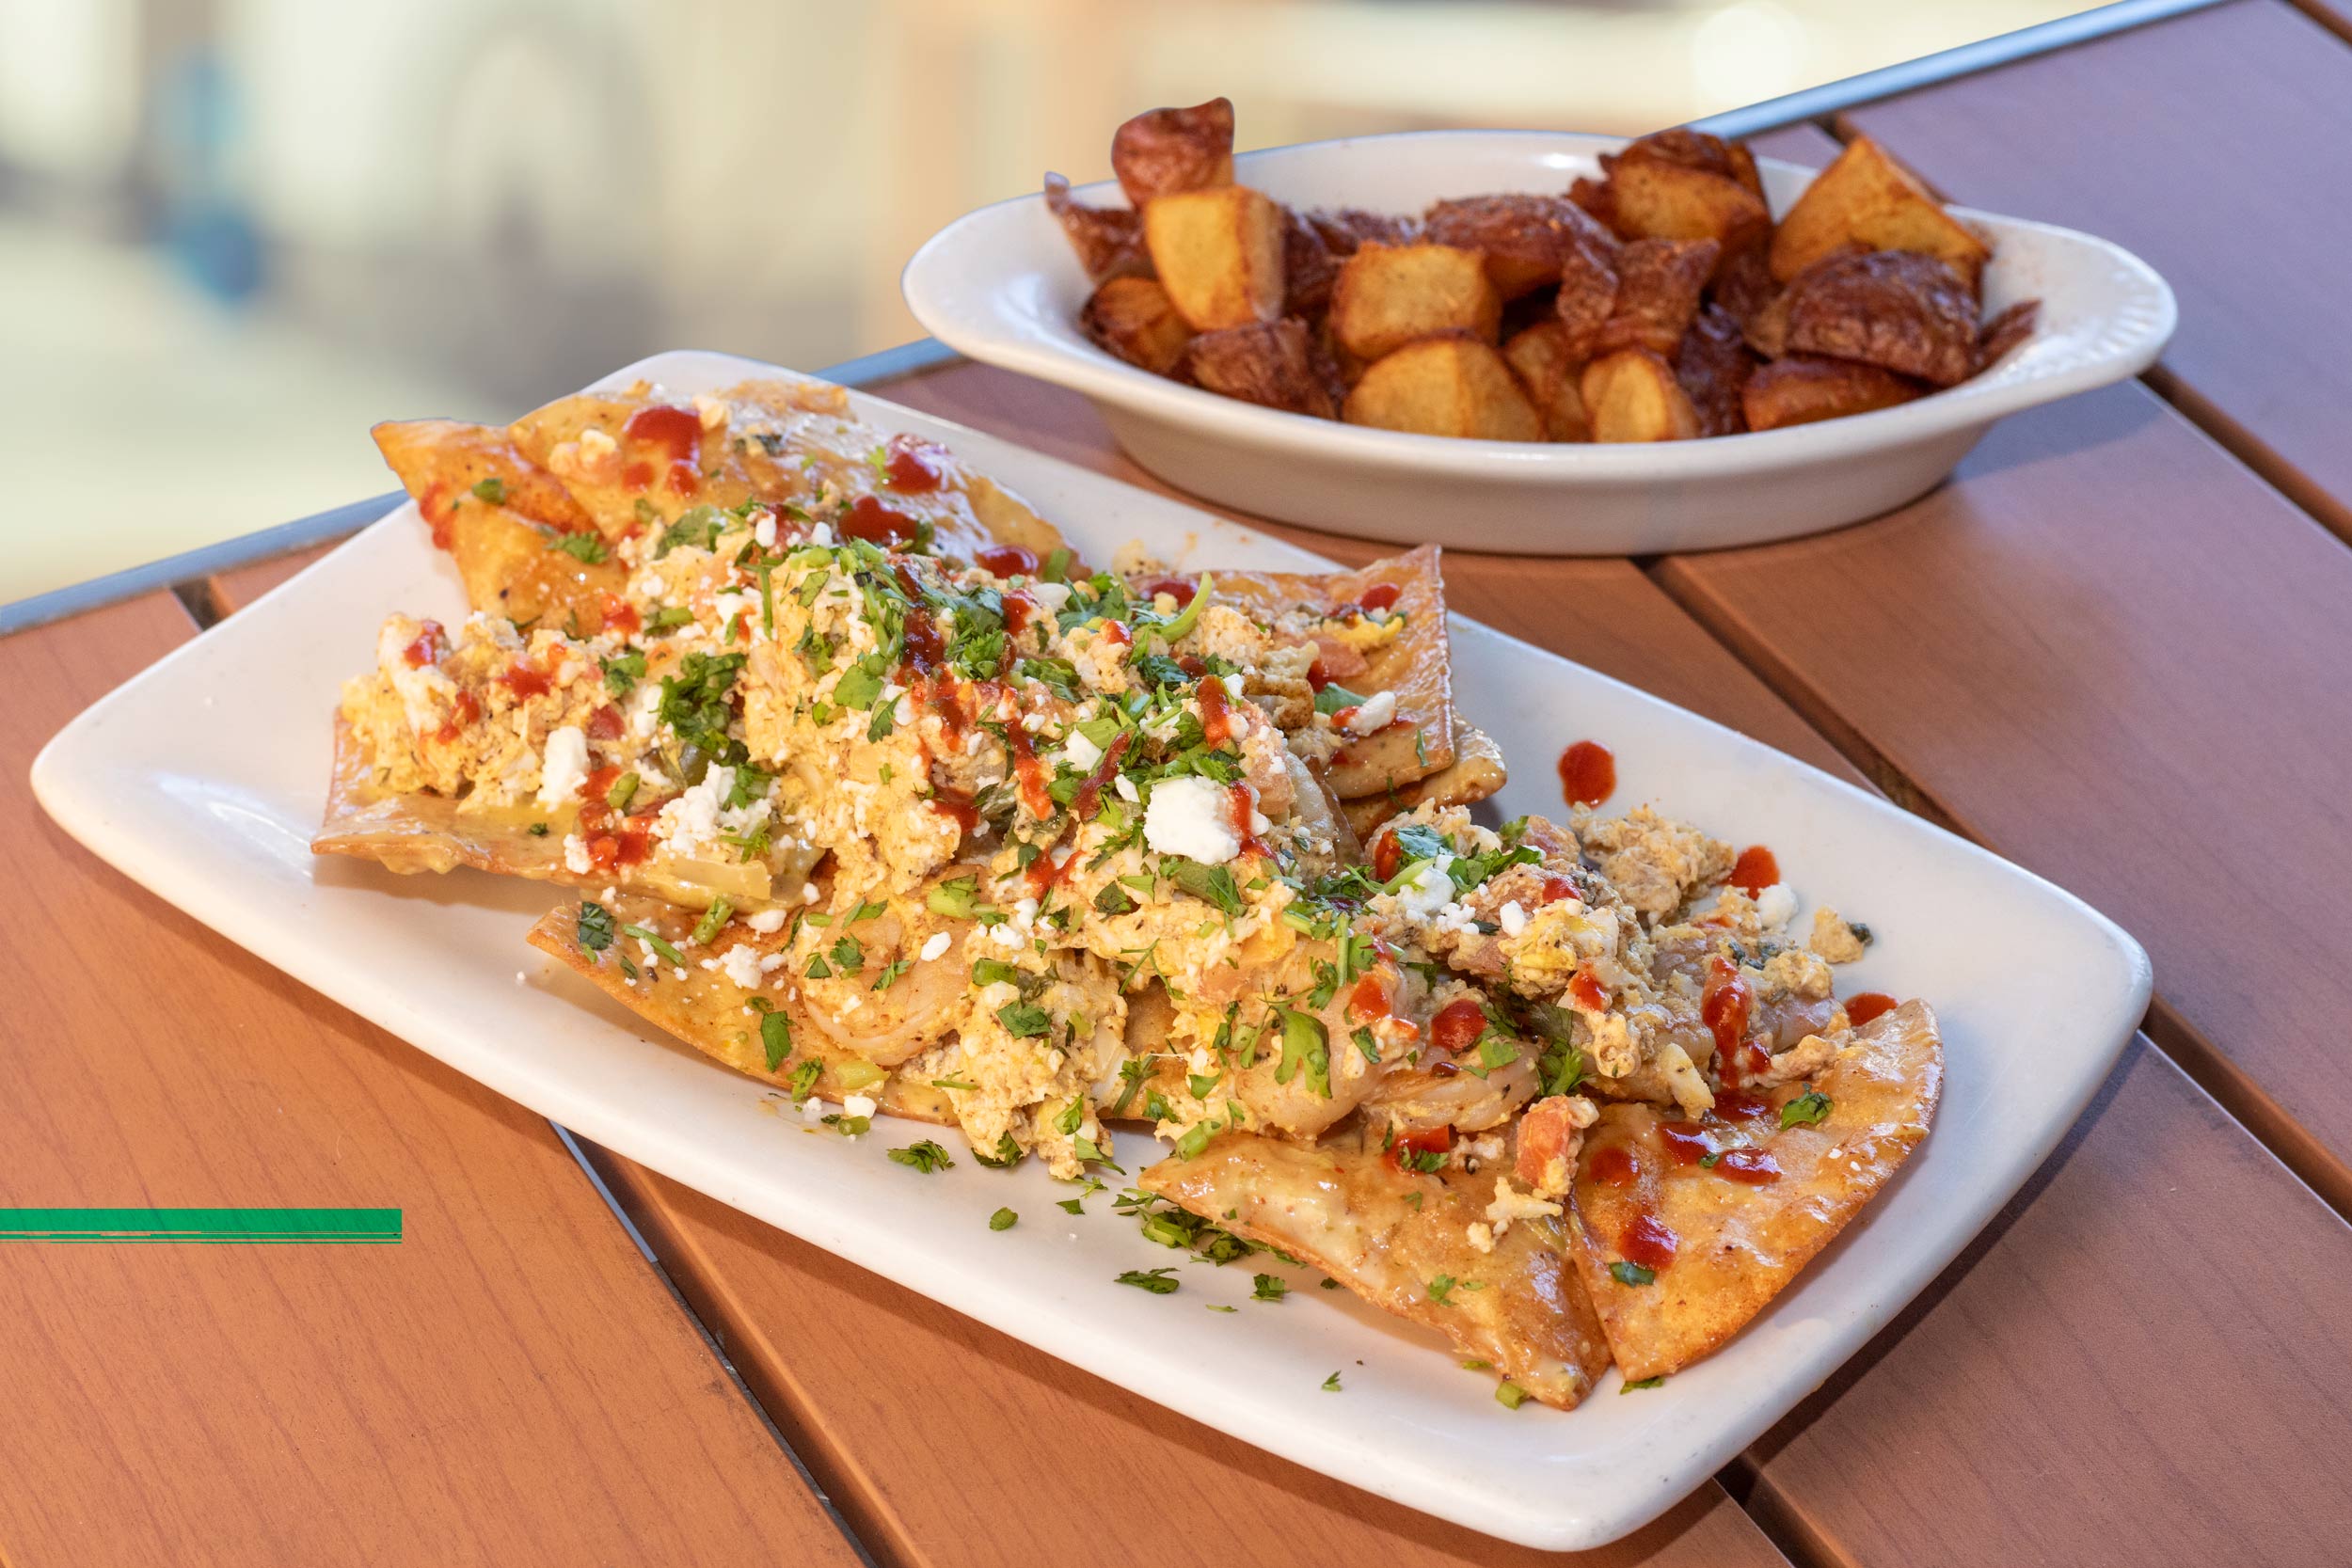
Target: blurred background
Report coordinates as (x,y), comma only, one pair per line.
(234,233)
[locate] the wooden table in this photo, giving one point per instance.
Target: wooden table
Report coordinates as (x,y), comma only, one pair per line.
(2113,649)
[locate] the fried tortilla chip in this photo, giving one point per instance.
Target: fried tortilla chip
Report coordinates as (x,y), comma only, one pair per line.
(721,1020)
(1475,774)
(1403,1242)
(1413,663)
(637,459)
(1719,1240)
(413,833)
(441,462)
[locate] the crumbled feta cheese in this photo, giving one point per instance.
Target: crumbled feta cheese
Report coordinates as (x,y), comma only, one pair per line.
(1192,817)
(1126,787)
(595,446)
(740,963)
(865,1105)
(1512,918)
(764,531)
(767,922)
(1053,596)
(1775,906)
(1376,712)
(710,410)
(1082,754)
(935,946)
(576,858)
(563,767)
(1428,890)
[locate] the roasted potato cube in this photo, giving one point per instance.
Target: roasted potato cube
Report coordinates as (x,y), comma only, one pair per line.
(1658,293)
(1660,200)
(1632,395)
(1587,296)
(1218,253)
(1270,363)
(1309,268)
(1713,365)
(1109,240)
(1866,198)
(1743,283)
(1523,237)
(1451,386)
(1595,197)
(1538,355)
(1161,152)
(1347,229)
(1132,318)
(1387,296)
(1802,389)
(1896,309)
(1694,150)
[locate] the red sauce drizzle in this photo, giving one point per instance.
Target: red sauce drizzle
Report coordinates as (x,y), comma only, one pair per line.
(439,514)
(956,809)
(876,524)
(1755,870)
(1380,595)
(947,700)
(1387,855)
(1457,1026)
(1588,773)
(925,652)
(1116,635)
(620,616)
(1244,806)
(1723,1006)
(611,840)
(1044,871)
(1432,1139)
(1020,610)
(1216,719)
(1862,1008)
(1587,991)
(1030,773)
(909,469)
(1649,1243)
(1686,1141)
(461,712)
(1612,1165)
(428,646)
(1555,887)
(1006,560)
(1179,589)
(678,431)
(1316,679)
(1089,796)
(1755,1167)
(1369,997)
(524,681)
(1740,1105)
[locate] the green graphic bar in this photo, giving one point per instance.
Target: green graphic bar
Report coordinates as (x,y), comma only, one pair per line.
(217,1227)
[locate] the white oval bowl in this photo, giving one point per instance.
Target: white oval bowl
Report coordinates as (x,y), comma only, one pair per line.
(1001,285)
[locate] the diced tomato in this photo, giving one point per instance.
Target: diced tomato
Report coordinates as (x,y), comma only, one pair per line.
(1430,1140)
(1387,854)
(1457,1026)
(1380,595)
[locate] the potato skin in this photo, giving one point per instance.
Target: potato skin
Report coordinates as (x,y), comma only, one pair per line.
(1161,152)
(1273,364)
(1865,197)
(1658,293)
(1218,253)
(1660,201)
(1523,237)
(1898,309)
(1451,386)
(1802,389)
(1310,268)
(1389,295)
(1700,150)
(1632,395)
(1713,365)
(1109,240)
(1134,318)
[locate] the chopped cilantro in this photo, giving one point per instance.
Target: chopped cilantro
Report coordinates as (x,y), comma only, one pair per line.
(1806,1109)
(492,490)
(1509,1395)
(1211,884)
(622,671)
(538,830)
(1160,1282)
(656,941)
(926,1157)
(1004,1219)
(1642,1383)
(891,972)
(1006,1155)
(1442,1289)
(805,1079)
(776,1038)
(1025,1020)
(595,931)
(1331,1384)
(583,547)
(1631,1274)
(1268,1287)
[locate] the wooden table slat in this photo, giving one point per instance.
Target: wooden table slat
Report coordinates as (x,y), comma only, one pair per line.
(2214,144)
(509,1382)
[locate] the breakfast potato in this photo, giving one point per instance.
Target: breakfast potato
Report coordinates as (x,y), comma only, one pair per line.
(1866,198)
(1694,150)
(1344,231)
(2005,331)
(1389,295)
(1218,253)
(1801,389)
(1898,310)
(1587,296)
(1713,365)
(1269,364)
(1632,395)
(1109,240)
(1656,200)
(1539,356)
(1161,152)
(1134,318)
(1453,386)
(1522,236)
(1659,283)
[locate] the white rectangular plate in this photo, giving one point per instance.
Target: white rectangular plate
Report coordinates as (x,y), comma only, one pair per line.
(203,779)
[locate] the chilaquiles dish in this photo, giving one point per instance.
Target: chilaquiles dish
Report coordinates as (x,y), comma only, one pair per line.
(865,786)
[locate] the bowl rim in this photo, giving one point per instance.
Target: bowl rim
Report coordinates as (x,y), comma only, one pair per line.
(989,335)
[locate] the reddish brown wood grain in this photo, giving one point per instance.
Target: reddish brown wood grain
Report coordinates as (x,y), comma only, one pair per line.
(509,1384)
(2214,146)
